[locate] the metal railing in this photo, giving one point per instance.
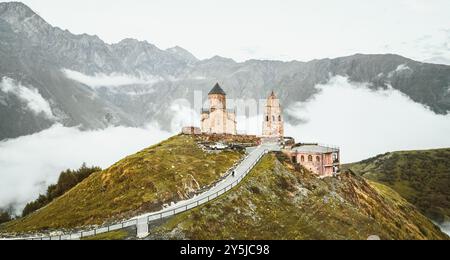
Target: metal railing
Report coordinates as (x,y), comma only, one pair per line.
(200,201)
(221,178)
(330,146)
(160,215)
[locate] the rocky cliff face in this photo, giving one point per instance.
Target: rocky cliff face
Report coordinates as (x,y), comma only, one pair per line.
(34,53)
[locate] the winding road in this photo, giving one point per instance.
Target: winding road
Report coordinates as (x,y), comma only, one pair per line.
(253,157)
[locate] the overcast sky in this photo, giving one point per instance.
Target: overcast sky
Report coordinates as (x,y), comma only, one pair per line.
(265,29)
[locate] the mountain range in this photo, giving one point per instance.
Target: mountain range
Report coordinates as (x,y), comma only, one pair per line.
(50,75)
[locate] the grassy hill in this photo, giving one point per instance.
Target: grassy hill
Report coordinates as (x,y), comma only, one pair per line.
(277,201)
(143,182)
(422,177)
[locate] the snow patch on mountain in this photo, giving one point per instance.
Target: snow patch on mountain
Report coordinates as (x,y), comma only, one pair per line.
(402,67)
(29,95)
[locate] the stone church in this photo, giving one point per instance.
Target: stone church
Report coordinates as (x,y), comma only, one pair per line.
(218,119)
(322,160)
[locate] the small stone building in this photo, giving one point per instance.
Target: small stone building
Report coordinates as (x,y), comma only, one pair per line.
(218,119)
(321,160)
(191,130)
(273,125)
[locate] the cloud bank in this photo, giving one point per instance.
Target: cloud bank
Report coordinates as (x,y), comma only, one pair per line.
(445,228)
(29,96)
(29,164)
(183,115)
(109,80)
(365,123)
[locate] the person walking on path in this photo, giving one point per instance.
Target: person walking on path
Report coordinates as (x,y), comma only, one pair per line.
(233,173)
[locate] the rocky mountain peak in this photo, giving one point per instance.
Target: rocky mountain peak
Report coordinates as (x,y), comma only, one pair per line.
(130,41)
(24,20)
(182,53)
(134,44)
(221,59)
(16,9)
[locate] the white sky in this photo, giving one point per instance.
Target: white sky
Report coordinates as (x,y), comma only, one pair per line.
(264,29)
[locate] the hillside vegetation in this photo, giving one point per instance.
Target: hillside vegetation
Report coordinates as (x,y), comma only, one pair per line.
(422,177)
(277,201)
(66,181)
(113,235)
(167,172)
(4,216)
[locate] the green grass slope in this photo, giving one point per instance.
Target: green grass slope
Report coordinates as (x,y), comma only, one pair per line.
(422,177)
(113,235)
(143,182)
(277,201)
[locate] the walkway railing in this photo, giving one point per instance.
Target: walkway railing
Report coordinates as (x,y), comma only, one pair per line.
(204,200)
(160,215)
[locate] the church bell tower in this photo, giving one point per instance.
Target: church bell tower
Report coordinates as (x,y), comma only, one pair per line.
(273,125)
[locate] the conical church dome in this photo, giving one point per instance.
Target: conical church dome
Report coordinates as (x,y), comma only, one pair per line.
(217,90)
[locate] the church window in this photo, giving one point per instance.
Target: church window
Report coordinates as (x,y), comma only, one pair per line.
(302,159)
(317,158)
(279,118)
(267,118)
(310,158)
(273,118)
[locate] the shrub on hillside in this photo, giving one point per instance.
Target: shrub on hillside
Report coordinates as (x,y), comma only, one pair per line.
(4,217)
(66,181)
